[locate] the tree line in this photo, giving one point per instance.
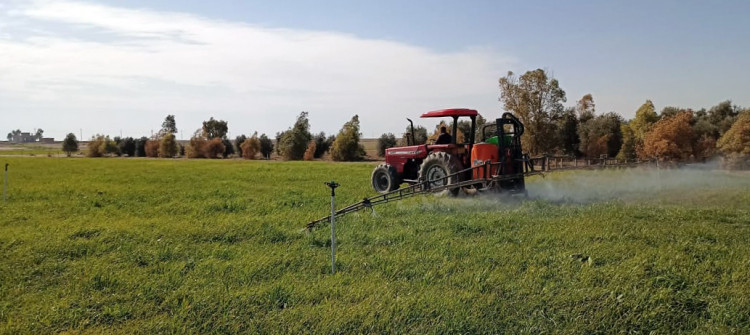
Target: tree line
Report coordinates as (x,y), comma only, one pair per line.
(211,141)
(674,134)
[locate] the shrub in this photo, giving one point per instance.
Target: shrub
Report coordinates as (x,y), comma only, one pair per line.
(293,142)
(251,147)
(152,148)
(196,147)
(266,146)
(384,142)
(70,144)
(97,146)
(168,146)
(310,152)
(346,147)
(214,148)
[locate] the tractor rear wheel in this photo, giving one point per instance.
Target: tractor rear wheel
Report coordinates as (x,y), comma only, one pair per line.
(385,179)
(437,167)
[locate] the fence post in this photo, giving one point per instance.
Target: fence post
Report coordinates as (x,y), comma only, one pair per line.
(5,182)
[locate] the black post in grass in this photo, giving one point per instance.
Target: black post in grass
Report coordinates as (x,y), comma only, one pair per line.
(5,182)
(333,185)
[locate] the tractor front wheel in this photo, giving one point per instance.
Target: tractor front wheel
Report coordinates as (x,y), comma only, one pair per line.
(385,179)
(437,168)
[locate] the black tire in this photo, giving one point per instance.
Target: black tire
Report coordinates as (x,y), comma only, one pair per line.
(385,179)
(437,166)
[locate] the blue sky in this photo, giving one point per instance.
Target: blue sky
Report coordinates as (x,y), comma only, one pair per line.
(114,66)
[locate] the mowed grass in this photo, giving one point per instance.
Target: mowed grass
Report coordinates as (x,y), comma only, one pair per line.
(204,246)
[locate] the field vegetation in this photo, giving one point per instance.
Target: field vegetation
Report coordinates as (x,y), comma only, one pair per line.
(204,246)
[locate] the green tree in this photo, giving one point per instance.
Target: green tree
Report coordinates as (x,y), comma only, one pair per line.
(215,129)
(645,117)
(228,148)
(293,142)
(322,144)
(536,99)
(346,147)
(627,150)
(168,146)
(420,135)
(169,126)
(140,146)
(266,146)
(127,146)
(70,144)
(384,142)
(723,116)
(39,134)
(567,132)
(601,135)
(464,126)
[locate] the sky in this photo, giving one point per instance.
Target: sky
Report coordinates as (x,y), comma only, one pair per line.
(119,67)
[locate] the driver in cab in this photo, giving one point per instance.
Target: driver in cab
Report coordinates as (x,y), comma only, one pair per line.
(444,137)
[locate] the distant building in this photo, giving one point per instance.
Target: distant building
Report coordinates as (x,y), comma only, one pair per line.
(23,138)
(48,140)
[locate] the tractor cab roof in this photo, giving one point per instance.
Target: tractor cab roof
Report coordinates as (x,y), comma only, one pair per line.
(451,112)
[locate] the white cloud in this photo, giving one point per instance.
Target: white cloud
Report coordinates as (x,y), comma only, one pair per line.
(66,65)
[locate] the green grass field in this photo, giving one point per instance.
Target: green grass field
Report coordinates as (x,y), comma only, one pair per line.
(151,246)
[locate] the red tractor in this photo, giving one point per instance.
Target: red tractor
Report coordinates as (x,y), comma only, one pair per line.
(498,162)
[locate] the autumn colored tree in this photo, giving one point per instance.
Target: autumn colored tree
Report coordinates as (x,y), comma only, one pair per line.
(736,140)
(645,117)
(152,148)
(670,138)
(250,147)
(310,152)
(214,148)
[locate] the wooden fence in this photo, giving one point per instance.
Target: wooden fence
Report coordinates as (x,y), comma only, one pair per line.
(554,163)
